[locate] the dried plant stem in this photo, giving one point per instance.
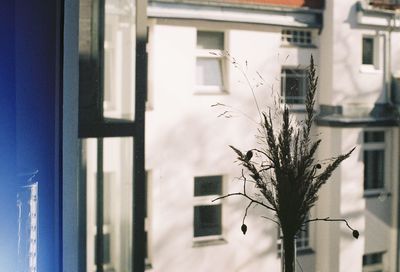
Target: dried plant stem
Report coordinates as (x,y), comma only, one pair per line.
(246,196)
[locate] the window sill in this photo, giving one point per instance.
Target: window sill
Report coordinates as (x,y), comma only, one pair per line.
(209,242)
(148,267)
(302,252)
(370,69)
(305,251)
(305,46)
(376,193)
(299,108)
(210,91)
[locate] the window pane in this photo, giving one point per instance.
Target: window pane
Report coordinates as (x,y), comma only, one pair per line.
(89,88)
(373,258)
(368,51)
(293,86)
(211,185)
(374,169)
(210,40)
(106,67)
(207,220)
(374,137)
(209,72)
(297,37)
(119,60)
(108,162)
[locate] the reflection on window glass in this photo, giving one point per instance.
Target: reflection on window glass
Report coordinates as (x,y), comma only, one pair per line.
(108,162)
(119,60)
(106,60)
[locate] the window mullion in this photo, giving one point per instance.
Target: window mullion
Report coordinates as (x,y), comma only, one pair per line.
(99,257)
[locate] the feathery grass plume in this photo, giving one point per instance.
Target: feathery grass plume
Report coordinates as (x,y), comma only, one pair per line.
(288,177)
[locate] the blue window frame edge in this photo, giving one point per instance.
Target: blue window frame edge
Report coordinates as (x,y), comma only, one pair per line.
(71,227)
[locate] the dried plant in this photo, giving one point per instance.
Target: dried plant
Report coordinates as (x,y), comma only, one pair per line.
(286,172)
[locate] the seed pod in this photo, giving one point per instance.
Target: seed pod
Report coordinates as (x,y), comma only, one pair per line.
(249,155)
(356,234)
(244,228)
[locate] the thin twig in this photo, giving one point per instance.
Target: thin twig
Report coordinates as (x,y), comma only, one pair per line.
(246,196)
(276,222)
(244,182)
(328,219)
(245,213)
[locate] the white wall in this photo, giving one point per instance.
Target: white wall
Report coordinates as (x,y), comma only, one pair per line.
(185,138)
(346,81)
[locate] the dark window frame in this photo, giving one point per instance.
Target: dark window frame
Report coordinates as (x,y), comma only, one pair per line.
(92,124)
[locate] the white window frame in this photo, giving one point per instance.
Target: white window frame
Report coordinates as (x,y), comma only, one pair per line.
(148,219)
(283,86)
(212,54)
(375,51)
(378,146)
(288,36)
(208,201)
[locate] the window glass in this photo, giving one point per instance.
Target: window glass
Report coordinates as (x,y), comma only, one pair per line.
(209,72)
(207,220)
(211,185)
(209,61)
(296,37)
(119,60)
(374,160)
(374,137)
(210,40)
(368,50)
(207,214)
(294,84)
(302,238)
(373,262)
(107,173)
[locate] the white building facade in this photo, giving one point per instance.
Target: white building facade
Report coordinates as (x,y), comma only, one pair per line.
(205,59)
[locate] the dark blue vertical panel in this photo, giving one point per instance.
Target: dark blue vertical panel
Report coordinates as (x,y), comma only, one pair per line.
(8,209)
(37,85)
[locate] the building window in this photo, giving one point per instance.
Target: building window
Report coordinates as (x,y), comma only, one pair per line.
(374,160)
(207,214)
(296,37)
(302,239)
(111,129)
(368,51)
(209,62)
(294,84)
(373,262)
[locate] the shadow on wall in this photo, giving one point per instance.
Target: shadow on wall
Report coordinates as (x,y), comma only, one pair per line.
(190,148)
